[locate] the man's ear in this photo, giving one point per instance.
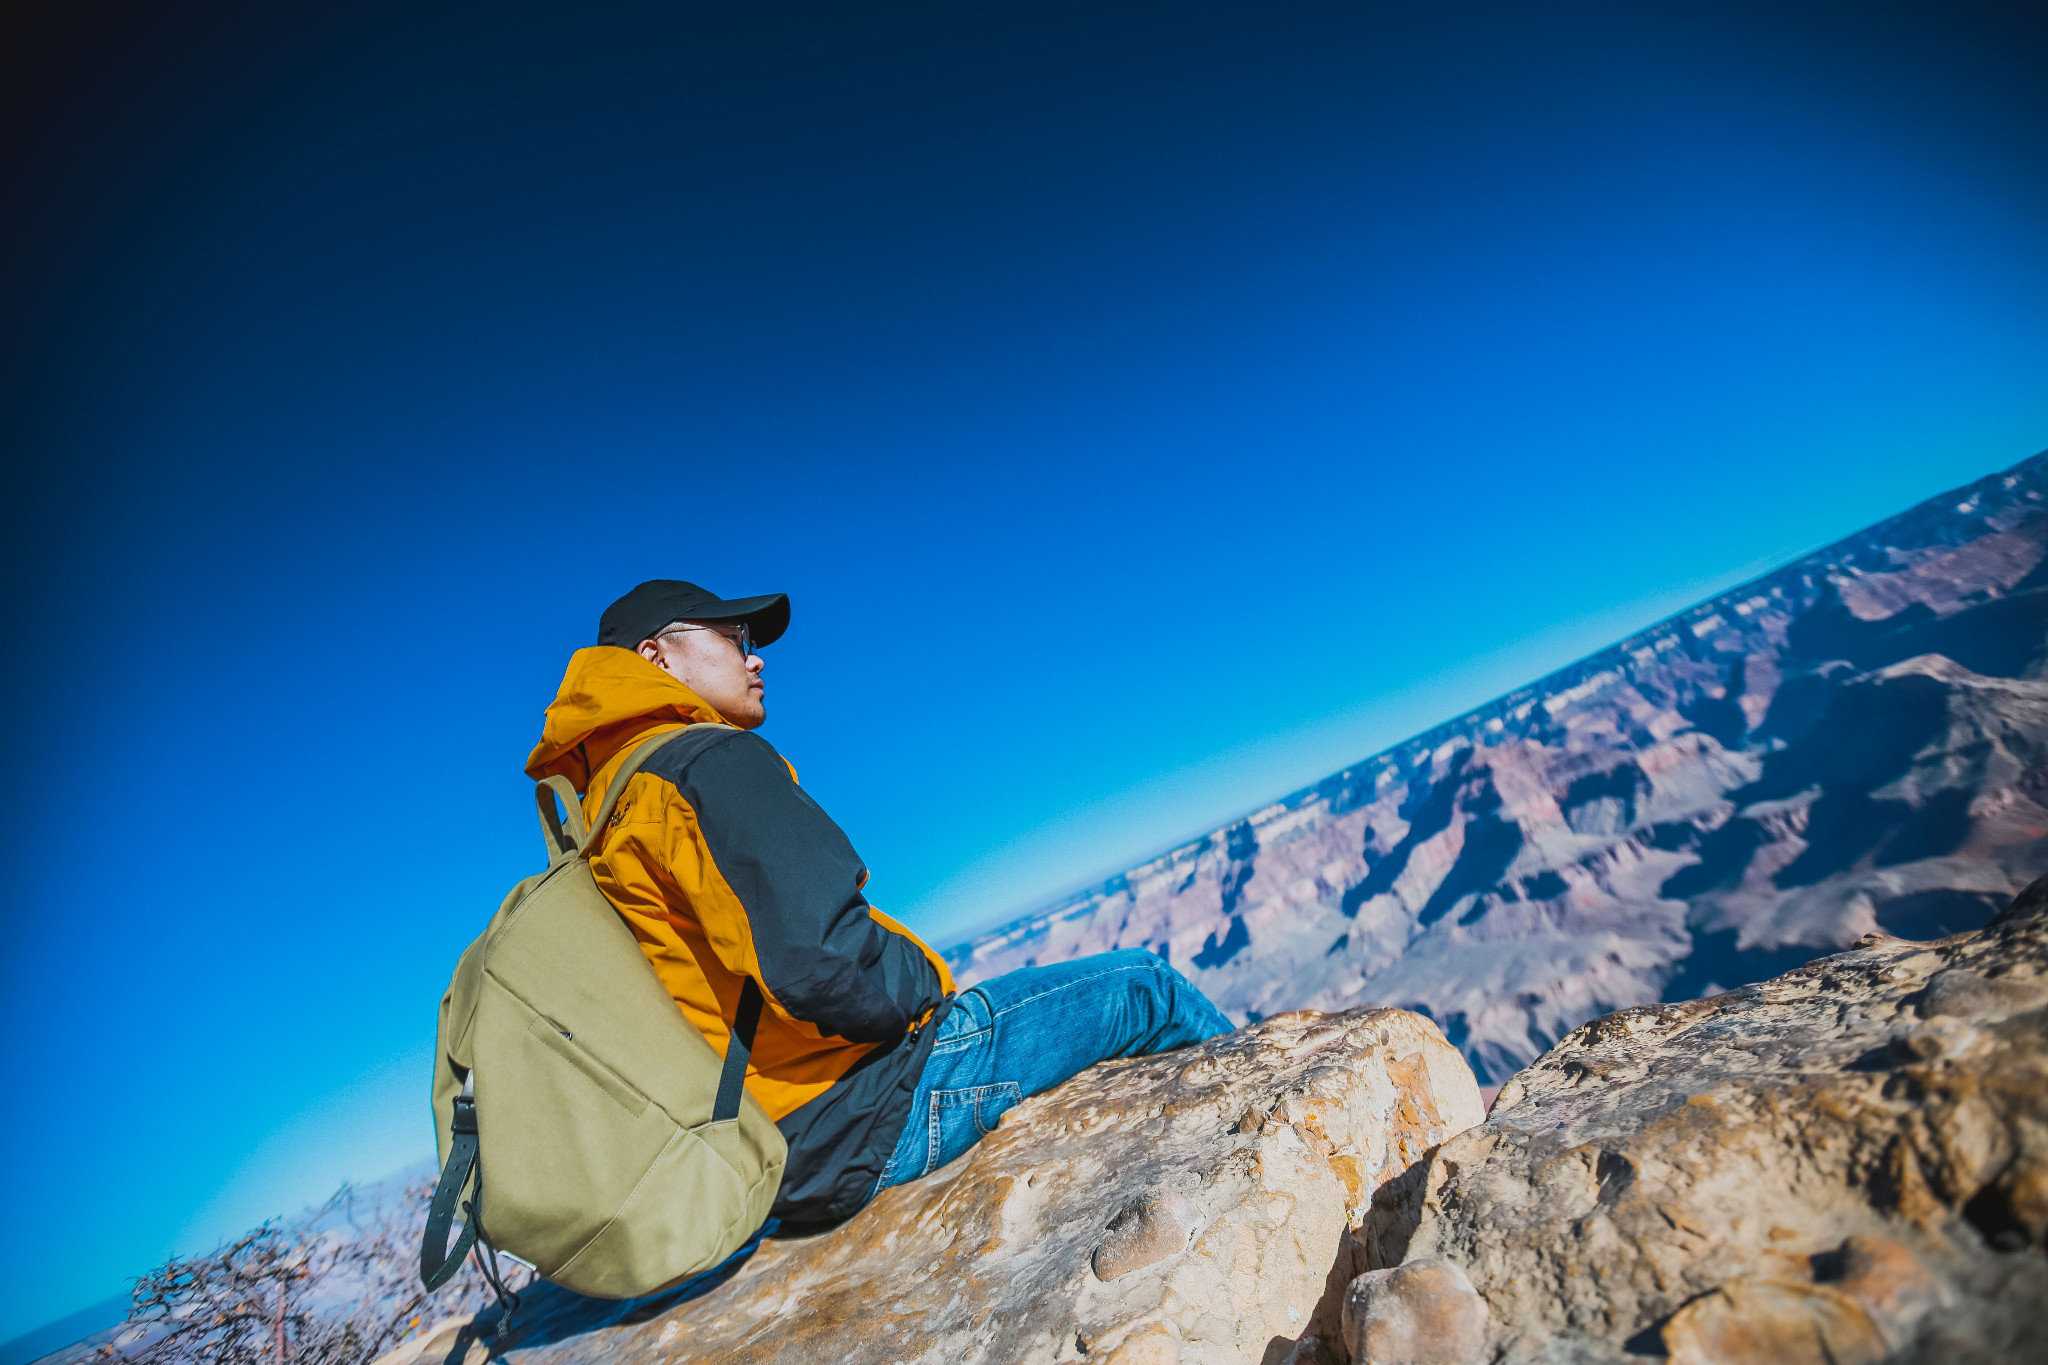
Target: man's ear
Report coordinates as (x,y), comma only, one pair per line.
(651,652)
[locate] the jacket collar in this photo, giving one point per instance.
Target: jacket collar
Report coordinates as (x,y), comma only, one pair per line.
(609,698)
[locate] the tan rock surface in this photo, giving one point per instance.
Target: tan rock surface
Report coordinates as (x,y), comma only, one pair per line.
(1424,1312)
(1847,1163)
(1774,1322)
(1171,1210)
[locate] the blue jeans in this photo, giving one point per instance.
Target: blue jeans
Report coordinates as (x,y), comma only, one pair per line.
(1027,1031)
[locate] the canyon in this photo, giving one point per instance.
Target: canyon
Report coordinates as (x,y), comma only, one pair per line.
(1856,742)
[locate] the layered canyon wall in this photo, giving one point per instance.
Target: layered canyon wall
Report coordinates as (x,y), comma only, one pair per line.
(1857,742)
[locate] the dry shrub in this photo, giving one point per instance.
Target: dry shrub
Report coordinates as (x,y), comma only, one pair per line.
(339,1286)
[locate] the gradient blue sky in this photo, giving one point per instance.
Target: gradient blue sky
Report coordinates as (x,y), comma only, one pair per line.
(1150,408)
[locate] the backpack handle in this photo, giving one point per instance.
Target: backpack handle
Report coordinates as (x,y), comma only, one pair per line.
(563,830)
(572,837)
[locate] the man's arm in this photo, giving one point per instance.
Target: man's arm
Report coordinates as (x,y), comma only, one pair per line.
(822,958)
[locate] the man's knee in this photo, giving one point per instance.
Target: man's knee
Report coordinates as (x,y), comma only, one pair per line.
(1146,973)
(1159,973)
(1179,1011)
(1143,958)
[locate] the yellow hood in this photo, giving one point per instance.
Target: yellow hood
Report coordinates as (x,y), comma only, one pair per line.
(609,697)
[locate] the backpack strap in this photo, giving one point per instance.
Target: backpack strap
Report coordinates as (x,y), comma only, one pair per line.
(739,1047)
(567,837)
(617,788)
(438,1260)
(564,830)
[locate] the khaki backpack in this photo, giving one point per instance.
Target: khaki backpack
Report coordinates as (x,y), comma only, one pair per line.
(623,1155)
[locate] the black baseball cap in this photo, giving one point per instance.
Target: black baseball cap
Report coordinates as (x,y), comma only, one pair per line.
(661,601)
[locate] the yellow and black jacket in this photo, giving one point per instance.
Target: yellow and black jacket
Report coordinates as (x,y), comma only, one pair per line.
(724,868)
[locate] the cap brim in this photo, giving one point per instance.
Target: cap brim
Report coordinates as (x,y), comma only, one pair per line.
(766,617)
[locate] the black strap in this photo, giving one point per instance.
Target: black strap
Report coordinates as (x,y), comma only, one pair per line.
(487,1264)
(438,1262)
(732,1080)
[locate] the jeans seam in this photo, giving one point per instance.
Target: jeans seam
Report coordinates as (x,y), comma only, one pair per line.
(968,1097)
(1000,1087)
(960,1042)
(975,1090)
(1074,981)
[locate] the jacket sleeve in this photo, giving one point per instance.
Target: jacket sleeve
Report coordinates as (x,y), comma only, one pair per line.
(822,957)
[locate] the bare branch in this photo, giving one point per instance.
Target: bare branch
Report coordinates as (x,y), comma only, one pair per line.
(339,1286)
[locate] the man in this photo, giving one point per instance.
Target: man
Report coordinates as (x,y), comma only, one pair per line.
(725,869)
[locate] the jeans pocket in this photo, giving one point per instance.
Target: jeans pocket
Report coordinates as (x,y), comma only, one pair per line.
(961,1118)
(991,1103)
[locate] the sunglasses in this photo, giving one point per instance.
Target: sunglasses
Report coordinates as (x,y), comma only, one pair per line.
(742,636)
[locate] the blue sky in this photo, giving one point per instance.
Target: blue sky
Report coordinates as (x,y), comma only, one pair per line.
(1150,408)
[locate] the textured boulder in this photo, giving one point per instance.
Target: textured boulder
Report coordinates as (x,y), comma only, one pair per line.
(1846,1163)
(1188,1208)
(1422,1313)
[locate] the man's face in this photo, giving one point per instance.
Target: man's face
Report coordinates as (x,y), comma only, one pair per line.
(708,657)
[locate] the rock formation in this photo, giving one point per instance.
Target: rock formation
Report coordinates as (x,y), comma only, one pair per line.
(1193,1207)
(1844,1165)
(1856,742)
(1848,1163)
(1423,1312)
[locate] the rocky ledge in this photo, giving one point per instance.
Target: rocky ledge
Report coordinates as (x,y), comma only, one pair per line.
(1190,1207)
(1848,1163)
